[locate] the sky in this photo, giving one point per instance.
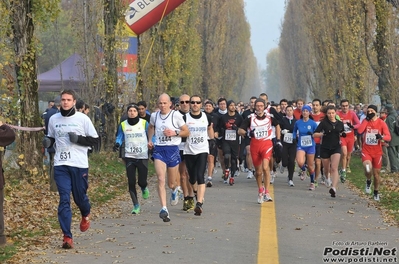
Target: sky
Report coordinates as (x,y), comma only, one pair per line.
(265,18)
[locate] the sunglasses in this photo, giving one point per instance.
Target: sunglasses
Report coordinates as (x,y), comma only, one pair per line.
(184,102)
(195,102)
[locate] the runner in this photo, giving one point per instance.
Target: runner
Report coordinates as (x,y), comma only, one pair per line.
(317,116)
(330,150)
(306,146)
(168,127)
(247,139)
(260,127)
(351,122)
(196,148)
(289,146)
(213,150)
(375,130)
(188,191)
(133,132)
(227,128)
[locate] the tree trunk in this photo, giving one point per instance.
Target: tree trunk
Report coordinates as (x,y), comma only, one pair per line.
(26,72)
(111,77)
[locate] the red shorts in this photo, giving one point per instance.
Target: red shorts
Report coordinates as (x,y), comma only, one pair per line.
(348,142)
(376,159)
(261,150)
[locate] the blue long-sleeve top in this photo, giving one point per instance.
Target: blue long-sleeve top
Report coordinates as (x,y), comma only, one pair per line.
(302,128)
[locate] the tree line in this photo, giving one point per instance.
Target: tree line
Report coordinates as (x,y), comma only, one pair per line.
(337,49)
(202,47)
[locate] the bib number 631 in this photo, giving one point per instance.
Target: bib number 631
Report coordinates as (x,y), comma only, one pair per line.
(65,155)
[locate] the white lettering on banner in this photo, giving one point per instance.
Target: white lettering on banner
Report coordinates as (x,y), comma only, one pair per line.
(140,8)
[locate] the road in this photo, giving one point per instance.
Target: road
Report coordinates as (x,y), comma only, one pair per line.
(298,227)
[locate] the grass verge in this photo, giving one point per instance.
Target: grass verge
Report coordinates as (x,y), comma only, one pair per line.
(30,208)
(389,189)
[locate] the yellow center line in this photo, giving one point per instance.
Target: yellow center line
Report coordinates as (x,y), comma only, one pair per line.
(268,242)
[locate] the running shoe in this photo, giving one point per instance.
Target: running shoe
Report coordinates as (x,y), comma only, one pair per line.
(368,188)
(348,169)
(209,182)
(267,197)
(180,193)
(85,223)
(226,175)
(332,192)
(174,198)
(136,209)
(272,176)
(316,184)
(323,179)
(377,197)
(198,209)
(343,176)
(250,175)
(242,167)
(260,198)
(185,205)
(328,182)
(67,243)
(190,205)
(311,187)
(281,169)
(145,193)
(291,183)
(164,215)
(231,181)
(302,175)
(236,173)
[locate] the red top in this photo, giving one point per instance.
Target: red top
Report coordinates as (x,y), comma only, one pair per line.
(371,145)
(317,118)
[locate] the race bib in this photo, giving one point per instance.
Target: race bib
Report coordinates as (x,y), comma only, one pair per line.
(162,139)
(306,141)
(287,138)
(371,140)
(133,149)
(261,132)
(65,154)
(196,140)
(230,135)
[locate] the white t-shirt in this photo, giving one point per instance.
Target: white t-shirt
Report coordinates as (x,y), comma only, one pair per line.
(173,120)
(197,141)
(66,152)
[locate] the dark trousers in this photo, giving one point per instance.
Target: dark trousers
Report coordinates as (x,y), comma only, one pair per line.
(141,166)
(76,180)
(196,166)
(393,158)
(288,158)
(230,153)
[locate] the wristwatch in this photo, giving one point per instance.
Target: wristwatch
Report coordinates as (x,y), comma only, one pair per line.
(177,132)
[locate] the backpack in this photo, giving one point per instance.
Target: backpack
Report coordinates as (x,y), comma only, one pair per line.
(396,127)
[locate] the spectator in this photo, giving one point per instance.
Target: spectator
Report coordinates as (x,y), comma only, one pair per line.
(393,147)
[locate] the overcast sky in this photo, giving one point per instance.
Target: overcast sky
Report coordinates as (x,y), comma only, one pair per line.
(265,18)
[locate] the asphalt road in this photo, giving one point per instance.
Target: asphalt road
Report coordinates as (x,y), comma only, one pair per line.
(300,226)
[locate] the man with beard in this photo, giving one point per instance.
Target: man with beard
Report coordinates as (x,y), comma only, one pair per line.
(227,130)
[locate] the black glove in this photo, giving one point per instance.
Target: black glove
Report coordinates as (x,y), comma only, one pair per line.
(370,116)
(46,142)
(343,134)
(234,127)
(73,137)
(116,147)
(252,133)
(212,143)
(349,125)
(295,141)
(310,133)
(378,136)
